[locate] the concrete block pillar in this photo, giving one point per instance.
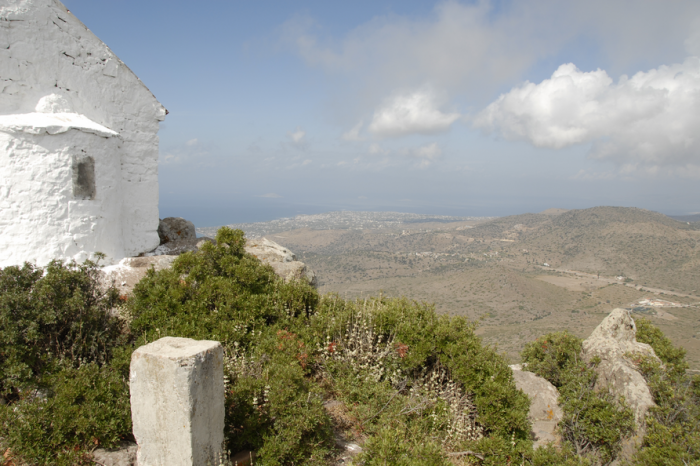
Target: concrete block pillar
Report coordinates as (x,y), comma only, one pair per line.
(177,402)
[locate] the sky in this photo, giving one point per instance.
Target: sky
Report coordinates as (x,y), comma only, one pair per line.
(467,108)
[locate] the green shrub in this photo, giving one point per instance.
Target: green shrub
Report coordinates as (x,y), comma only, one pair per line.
(58,333)
(550,355)
(392,444)
(218,293)
(671,356)
(80,408)
(673,425)
(550,455)
(50,315)
(401,370)
(594,423)
(222,293)
(275,410)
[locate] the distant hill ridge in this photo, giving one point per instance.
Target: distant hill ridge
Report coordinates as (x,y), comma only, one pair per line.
(686,218)
(647,246)
(651,248)
(339,220)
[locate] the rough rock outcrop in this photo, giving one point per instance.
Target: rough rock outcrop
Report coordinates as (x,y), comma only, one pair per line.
(545,412)
(129,271)
(125,455)
(175,229)
(613,342)
(282,260)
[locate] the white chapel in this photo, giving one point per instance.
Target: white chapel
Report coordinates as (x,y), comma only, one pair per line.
(78,142)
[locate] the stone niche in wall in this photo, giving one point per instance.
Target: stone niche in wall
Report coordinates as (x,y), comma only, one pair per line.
(84,177)
(78,142)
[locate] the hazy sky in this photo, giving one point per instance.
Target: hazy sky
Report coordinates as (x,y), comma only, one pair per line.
(456,107)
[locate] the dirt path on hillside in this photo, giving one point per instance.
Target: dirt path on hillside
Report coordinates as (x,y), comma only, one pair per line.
(615,281)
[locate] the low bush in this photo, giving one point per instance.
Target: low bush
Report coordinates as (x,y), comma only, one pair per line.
(673,425)
(594,423)
(51,316)
(672,357)
(551,356)
(80,408)
(384,362)
(58,332)
(398,369)
(303,370)
(221,293)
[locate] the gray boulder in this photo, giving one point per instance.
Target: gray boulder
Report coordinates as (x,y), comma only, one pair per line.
(282,260)
(130,270)
(125,455)
(614,342)
(175,229)
(269,251)
(545,412)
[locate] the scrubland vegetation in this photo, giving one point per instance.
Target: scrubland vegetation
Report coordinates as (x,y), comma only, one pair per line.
(303,370)
(491,271)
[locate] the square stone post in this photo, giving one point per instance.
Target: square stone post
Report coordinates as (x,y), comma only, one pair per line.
(177,402)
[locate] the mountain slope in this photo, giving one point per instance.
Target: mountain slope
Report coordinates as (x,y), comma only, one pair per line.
(646,246)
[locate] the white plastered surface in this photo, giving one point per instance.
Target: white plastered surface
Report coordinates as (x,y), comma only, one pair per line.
(51,123)
(39,218)
(45,51)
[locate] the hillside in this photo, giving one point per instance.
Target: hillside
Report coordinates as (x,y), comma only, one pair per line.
(652,249)
(491,269)
(295,377)
(686,218)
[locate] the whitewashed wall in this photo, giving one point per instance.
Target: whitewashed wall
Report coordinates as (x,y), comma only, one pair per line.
(39,216)
(45,50)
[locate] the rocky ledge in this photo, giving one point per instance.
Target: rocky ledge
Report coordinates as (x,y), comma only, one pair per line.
(178,236)
(615,344)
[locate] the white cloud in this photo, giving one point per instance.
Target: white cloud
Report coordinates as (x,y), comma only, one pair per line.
(188,152)
(456,46)
(306,162)
(168,158)
(354,133)
(298,138)
(648,120)
(412,113)
(474,48)
(593,176)
(426,155)
(376,149)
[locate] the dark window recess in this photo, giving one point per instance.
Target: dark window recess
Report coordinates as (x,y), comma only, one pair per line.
(84,177)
